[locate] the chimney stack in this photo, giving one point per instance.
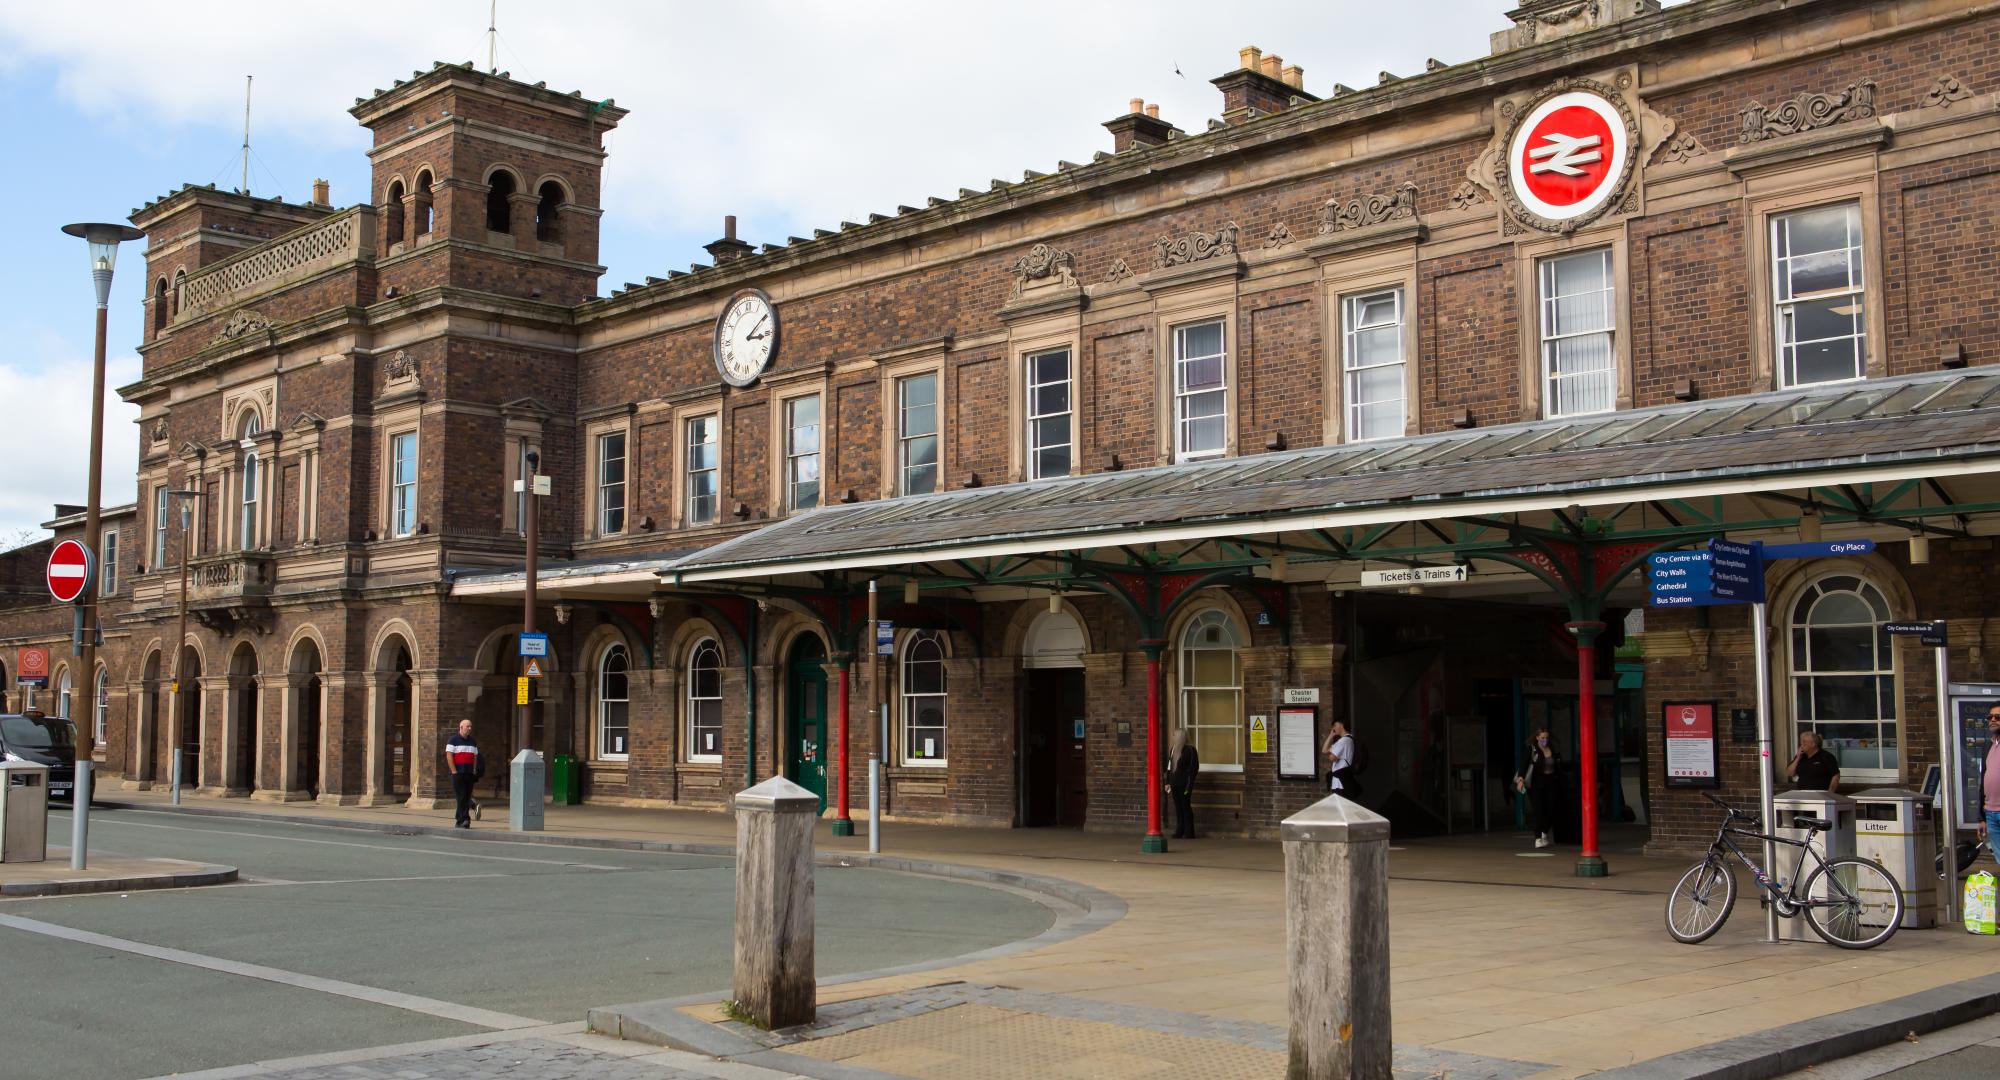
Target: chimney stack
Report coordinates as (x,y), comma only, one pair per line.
(1141,126)
(322,193)
(729,248)
(1261,86)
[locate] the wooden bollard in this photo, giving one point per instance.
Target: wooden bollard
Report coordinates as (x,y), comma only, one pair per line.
(1337,934)
(774,982)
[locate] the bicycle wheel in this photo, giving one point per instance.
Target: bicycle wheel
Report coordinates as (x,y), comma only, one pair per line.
(1701,901)
(1852,903)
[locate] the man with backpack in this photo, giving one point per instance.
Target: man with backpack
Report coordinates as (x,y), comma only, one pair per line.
(1345,761)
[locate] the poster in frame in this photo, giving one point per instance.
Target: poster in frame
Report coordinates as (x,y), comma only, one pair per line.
(1687,744)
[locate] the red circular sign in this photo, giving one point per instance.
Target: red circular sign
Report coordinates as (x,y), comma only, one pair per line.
(69,571)
(1568,155)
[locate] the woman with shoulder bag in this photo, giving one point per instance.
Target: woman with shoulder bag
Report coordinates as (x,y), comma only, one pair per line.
(1538,783)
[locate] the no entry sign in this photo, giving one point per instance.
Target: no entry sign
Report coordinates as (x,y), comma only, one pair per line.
(70,567)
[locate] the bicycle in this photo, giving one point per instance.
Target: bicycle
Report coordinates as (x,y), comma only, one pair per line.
(1850,902)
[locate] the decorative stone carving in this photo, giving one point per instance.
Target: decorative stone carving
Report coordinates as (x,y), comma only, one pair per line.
(1194,247)
(1279,236)
(1681,147)
(159,431)
(1808,112)
(243,321)
(400,366)
(1118,273)
(1947,90)
(1468,194)
(1364,210)
(1043,262)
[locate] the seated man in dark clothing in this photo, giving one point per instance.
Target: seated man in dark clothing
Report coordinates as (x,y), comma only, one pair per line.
(1814,768)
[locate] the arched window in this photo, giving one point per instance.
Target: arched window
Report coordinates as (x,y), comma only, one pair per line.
(1212,690)
(614,704)
(63,691)
(420,198)
(160,306)
(548,229)
(394,213)
(180,289)
(499,208)
(253,480)
(102,718)
(923,693)
(1843,672)
(704,702)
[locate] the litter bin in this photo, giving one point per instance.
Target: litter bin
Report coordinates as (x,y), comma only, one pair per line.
(1831,844)
(24,811)
(1894,827)
(566,776)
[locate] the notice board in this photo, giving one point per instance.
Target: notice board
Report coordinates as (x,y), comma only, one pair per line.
(1298,729)
(1688,728)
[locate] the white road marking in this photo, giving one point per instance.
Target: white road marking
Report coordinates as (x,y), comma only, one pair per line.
(464,1014)
(262,883)
(353,844)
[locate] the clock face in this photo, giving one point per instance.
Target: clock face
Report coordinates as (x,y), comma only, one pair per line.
(746,338)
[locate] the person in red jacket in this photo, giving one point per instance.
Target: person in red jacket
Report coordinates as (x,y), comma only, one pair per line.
(467,766)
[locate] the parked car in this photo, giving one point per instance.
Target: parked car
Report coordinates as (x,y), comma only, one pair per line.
(44,740)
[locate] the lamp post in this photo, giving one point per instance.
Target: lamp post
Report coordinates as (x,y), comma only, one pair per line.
(103,240)
(525,777)
(185,498)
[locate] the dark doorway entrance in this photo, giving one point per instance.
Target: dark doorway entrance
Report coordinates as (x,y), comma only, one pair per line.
(1056,763)
(399,727)
(242,756)
(189,689)
(805,722)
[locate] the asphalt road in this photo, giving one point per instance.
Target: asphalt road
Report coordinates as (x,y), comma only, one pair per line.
(367,939)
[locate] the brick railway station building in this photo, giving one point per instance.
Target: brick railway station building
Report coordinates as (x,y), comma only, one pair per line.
(1362,404)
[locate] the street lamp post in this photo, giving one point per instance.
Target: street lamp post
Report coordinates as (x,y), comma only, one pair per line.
(185,497)
(526,770)
(103,240)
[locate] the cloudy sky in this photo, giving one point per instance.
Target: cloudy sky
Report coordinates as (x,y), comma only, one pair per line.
(790,115)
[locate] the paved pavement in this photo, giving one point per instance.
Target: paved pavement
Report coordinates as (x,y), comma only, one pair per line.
(374,938)
(1955,1053)
(1499,956)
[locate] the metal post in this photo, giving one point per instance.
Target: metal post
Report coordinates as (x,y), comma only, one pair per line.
(880,693)
(843,820)
(1766,812)
(874,804)
(1155,841)
(1948,786)
(176,789)
(184,498)
(1590,863)
(527,765)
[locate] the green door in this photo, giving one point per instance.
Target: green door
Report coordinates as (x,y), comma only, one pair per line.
(806,735)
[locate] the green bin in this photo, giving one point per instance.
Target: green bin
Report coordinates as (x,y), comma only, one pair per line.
(566,773)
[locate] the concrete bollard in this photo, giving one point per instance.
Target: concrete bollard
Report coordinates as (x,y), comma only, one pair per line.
(527,778)
(1337,936)
(774,983)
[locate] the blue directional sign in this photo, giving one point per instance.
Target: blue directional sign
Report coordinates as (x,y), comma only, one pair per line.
(1680,579)
(1822,549)
(1736,571)
(534,644)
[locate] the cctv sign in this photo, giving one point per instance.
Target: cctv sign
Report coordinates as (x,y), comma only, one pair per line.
(1568,155)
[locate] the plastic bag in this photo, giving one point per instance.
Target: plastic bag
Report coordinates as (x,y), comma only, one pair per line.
(1980,903)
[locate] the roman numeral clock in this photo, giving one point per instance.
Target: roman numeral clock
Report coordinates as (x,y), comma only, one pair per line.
(746,337)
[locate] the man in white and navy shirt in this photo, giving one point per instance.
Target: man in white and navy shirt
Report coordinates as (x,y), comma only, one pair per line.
(467,766)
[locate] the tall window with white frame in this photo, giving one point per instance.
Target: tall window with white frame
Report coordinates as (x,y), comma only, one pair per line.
(614,703)
(64,691)
(611,483)
(1049,442)
(101,710)
(917,434)
(704,701)
(252,485)
(923,713)
(802,453)
(703,465)
(1212,690)
(403,484)
(1818,289)
(158,559)
(1372,365)
(1578,321)
(1201,391)
(107,563)
(1843,672)
(527,481)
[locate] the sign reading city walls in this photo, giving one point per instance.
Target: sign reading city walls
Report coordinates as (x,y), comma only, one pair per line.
(1569,153)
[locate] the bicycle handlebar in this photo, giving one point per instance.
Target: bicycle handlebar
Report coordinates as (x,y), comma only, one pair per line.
(1734,814)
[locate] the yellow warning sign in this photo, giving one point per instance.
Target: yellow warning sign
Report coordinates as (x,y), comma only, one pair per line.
(521,691)
(1260,735)
(534,668)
